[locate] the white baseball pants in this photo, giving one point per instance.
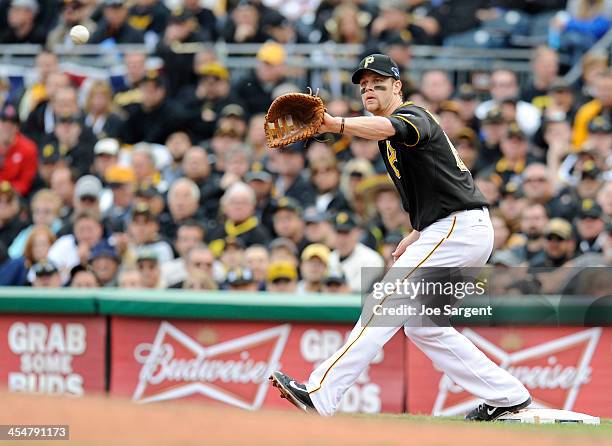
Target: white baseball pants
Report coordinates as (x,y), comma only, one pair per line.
(463,239)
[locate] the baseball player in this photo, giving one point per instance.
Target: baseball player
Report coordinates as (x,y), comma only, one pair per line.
(452,228)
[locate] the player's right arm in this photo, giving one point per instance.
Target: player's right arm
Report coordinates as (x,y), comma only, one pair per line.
(367,127)
(405,243)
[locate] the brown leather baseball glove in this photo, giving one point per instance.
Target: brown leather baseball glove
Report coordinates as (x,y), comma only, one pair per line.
(293,117)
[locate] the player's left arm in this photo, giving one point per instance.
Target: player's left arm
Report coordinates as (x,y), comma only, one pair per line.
(405,128)
(366,127)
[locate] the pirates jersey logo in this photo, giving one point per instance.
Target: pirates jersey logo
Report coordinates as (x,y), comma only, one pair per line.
(392,157)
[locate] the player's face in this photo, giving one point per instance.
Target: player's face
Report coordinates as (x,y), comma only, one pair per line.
(376,91)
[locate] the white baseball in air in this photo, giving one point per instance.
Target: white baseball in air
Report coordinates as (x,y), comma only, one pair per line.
(79,34)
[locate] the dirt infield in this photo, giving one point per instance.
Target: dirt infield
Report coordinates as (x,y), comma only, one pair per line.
(105,421)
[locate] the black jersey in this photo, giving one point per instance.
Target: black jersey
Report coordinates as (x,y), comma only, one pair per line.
(426,169)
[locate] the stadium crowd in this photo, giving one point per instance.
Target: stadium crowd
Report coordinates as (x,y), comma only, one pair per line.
(161,178)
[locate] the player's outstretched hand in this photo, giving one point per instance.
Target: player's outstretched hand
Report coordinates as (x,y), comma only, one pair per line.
(329,124)
(405,243)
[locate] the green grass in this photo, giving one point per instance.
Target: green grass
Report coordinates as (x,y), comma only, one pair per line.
(604,429)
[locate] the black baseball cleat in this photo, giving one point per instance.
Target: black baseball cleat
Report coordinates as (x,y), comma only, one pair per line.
(484,412)
(295,392)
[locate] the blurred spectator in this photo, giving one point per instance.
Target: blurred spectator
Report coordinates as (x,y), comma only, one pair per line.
(114,26)
(238,208)
(99,113)
(348,24)
(436,87)
(18,154)
(604,199)
(182,31)
(591,227)
(600,138)
(62,183)
(313,268)
(536,184)
(15,272)
(501,232)
(317,228)
(388,246)
(183,199)
(22,24)
(325,176)
(533,221)
(352,256)
(75,142)
(563,98)
(46,275)
(367,150)
(283,250)
(144,165)
(514,148)
(121,181)
(353,172)
(205,17)
(335,282)
(10,222)
(106,155)
(488,185)
(83,278)
(290,182)
(256,88)
(87,191)
(206,99)
(129,278)
(104,262)
(288,222)
(575,32)
(148,265)
(46,63)
(504,85)
(244,24)
(237,161)
(559,245)
(196,167)
(148,16)
(261,183)
(74,249)
(387,216)
(231,257)
(143,231)
(450,118)
(493,130)
(189,235)
(241,279)
(49,160)
(282,278)
(256,137)
(40,121)
(511,205)
(177,144)
(74,12)
(601,105)
(200,282)
(126,87)
(545,67)
(257,259)
(45,205)
(148,121)
(468,148)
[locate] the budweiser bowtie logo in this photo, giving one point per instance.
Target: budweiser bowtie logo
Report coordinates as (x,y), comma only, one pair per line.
(235,372)
(552,371)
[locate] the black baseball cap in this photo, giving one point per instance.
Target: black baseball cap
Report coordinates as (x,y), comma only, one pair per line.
(378,63)
(344,222)
(8,112)
(44,268)
(589,209)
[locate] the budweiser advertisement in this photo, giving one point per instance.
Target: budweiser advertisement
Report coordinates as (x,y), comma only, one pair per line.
(230,362)
(563,368)
(52,354)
